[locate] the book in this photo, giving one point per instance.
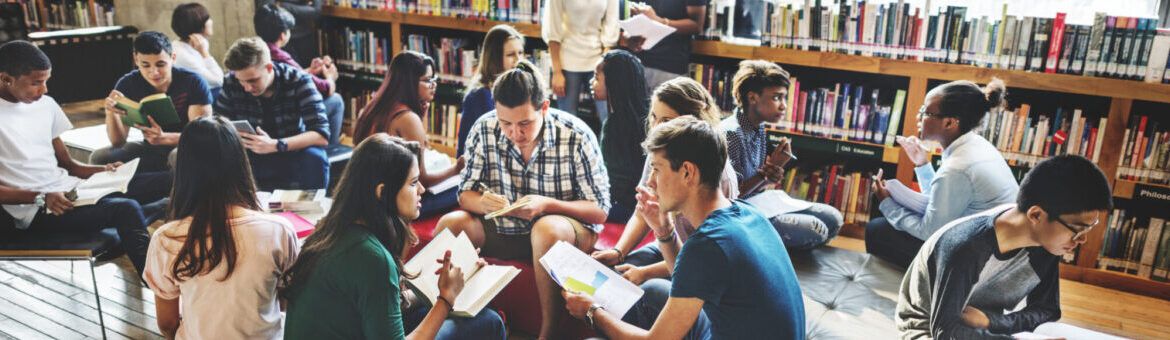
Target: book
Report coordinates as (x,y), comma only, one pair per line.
(481,284)
(158,106)
(298,201)
(772,203)
(89,191)
(577,272)
(1150,246)
(300,225)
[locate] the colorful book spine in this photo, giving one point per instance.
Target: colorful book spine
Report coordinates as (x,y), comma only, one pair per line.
(1026,137)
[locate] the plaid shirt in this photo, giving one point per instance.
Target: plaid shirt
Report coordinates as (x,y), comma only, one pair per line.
(745,144)
(295,106)
(566,166)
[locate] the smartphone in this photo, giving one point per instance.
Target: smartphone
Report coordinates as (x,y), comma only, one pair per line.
(243,126)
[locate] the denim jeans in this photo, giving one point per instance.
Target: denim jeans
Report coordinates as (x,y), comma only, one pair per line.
(645,312)
(486,325)
(808,228)
(335,110)
(575,84)
(440,203)
(887,243)
(151,157)
(302,169)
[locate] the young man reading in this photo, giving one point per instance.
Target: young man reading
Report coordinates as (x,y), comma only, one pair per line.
(274,24)
(156,73)
(732,279)
(970,273)
(761,90)
(287,151)
(526,152)
(36,171)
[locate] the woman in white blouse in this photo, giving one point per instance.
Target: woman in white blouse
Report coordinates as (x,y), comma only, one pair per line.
(192,24)
(577,34)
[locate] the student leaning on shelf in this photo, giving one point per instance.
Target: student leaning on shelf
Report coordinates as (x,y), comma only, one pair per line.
(155,73)
(732,278)
(577,34)
(761,91)
(407,90)
(502,49)
(973,271)
(220,256)
(347,282)
(972,177)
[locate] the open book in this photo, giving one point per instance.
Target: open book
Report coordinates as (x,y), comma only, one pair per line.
(772,203)
(481,284)
(907,197)
(104,183)
(438,162)
(158,106)
(577,272)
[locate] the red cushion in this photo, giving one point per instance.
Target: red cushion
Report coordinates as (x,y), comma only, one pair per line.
(519,300)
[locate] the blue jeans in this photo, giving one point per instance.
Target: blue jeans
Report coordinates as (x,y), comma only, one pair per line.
(434,204)
(887,243)
(486,325)
(647,309)
(151,157)
(575,83)
(335,110)
(302,169)
(808,228)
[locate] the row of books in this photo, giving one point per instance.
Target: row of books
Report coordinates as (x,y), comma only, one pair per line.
(1026,138)
(442,124)
(849,192)
(356,50)
(1145,155)
(455,58)
(1113,46)
(527,11)
(77,14)
(717,80)
(1137,245)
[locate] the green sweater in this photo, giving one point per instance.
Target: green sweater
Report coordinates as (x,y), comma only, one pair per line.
(353,293)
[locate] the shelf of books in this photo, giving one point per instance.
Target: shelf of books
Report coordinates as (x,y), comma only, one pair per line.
(861,71)
(51,15)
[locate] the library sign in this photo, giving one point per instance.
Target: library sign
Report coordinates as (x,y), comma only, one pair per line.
(1152,199)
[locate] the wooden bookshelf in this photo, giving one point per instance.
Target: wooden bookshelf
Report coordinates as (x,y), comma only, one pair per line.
(43,13)
(1122,93)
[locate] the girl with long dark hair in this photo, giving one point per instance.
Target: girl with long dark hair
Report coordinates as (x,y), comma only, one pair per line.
(220,257)
(346,283)
(398,108)
(619,81)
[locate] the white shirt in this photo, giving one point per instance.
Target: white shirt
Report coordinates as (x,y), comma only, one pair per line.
(189,58)
(242,306)
(27,158)
(583,28)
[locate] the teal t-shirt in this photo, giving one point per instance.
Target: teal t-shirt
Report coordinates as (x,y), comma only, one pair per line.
(736,263)
(353,293)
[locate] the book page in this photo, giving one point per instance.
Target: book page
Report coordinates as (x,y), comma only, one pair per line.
(772,203)
(482,287)
(642,26)
(577,272)
(907,197)
(427,261)
(104,183)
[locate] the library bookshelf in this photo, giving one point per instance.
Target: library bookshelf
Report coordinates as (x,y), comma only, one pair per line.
(1121,94)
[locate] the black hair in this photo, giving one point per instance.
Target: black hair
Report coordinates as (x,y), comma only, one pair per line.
(19,57)
(189,18)
(152,42)
(688,139)
(212,174)
(399,85)
(271,21)
(520,85)
(968,102)
(1065,184)
(625,82)
(755,76)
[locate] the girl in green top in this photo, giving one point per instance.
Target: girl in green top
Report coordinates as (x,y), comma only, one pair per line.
(345,284)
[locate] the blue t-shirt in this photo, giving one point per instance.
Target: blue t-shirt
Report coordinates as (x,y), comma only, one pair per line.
(736,263)
(187,88)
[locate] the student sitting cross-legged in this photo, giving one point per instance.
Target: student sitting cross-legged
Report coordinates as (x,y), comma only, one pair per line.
(156,73)
(761,90)
(219,257)
(970,275)
(36,172)
(284,107)
(678,97)
(546,162)
(732,278)
(347,282)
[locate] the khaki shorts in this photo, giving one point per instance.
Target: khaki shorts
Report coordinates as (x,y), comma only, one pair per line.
(519,247)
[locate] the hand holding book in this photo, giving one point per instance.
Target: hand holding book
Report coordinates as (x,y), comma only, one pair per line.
(450,280)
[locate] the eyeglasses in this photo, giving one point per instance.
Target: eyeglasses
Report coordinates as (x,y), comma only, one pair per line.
(430,82)
(922,113)
(1077,234)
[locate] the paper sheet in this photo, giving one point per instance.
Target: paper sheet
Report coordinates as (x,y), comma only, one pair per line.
(1057,330)
(576,271)
(104,183)
(772,203)
(653,31)
(907,197)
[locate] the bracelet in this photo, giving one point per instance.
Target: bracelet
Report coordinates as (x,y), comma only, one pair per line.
(621,255)
(667,238)
(450,306)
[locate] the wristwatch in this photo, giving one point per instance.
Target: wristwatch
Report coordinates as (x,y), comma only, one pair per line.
(39,201)
(281,145)
(589,314)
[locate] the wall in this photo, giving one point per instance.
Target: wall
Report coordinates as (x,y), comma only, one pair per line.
(232,19)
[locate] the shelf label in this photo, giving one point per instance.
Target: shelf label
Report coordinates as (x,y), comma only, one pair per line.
(1153,200)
